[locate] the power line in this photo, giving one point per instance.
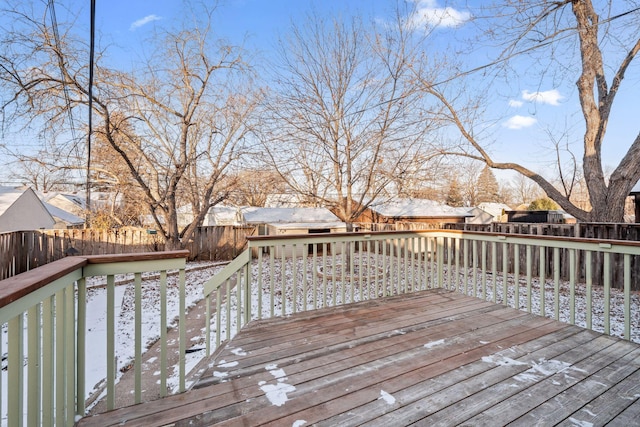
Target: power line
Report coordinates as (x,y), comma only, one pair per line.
(91,57)
(56,37)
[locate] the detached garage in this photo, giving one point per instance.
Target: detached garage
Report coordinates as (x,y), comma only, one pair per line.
(283,221)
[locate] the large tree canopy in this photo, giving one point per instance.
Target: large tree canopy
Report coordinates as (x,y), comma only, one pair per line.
(177,121)
(343,118)
(557,40)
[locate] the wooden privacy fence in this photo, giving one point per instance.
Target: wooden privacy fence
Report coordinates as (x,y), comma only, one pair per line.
(599,231)
(220,243)
(22,251)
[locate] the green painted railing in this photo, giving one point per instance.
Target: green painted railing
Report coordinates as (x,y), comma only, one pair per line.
(43,312)
(277,276)
(43,315)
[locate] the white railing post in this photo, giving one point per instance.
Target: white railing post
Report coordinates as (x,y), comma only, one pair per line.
(81,343)
(439,257)
(15,371)
(182,330)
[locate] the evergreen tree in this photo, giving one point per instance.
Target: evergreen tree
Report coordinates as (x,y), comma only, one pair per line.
(488,188)
(454,196)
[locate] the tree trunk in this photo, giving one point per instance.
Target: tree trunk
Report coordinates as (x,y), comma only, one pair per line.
(173,243)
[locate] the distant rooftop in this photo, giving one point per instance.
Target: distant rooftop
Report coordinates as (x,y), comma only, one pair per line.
(288,215)
(418,208)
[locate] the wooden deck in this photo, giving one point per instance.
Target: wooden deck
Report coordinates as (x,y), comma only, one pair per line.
(429,358)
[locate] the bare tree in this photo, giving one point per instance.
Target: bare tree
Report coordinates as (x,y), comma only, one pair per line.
(547,32)
(343,120)
(177,122)
(38,173)
(524,190)
(254,186)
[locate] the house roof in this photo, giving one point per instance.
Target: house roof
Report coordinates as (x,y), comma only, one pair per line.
(64,216)
(495,209)
(223,215)
(308,225)
(75,198)
(288,215)
(418,208)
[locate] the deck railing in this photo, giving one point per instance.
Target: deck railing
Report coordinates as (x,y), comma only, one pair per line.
(43,315)
(43,312)
(282,275)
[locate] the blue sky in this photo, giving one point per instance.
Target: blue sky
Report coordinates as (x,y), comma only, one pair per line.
(520,113)
(523,113)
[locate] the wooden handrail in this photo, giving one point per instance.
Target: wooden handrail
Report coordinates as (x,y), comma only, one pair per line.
(23,284)
(142,256)
(449,232)
(18,286)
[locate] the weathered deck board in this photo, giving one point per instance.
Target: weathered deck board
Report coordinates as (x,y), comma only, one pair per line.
(564,404)
(430,358)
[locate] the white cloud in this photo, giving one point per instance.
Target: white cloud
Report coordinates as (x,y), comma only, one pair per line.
(520,122)
(140,22)
(428,13)
(515,103)
(550,97)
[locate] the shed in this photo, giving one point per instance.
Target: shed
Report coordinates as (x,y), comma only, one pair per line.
(23,210)
(282,221)
(217,215)
(417,210)
(551,217)
(486,213)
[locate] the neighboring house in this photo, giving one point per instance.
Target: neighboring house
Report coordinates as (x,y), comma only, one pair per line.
(76,202)
(63,218)
(22,210)
(414,210)
(69,202)
(223,215)
(486,213)
(217,215)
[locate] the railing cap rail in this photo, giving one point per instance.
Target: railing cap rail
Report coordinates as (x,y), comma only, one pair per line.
(18,286)
(455,232)
(142,256)
(548,237)
(347,234)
